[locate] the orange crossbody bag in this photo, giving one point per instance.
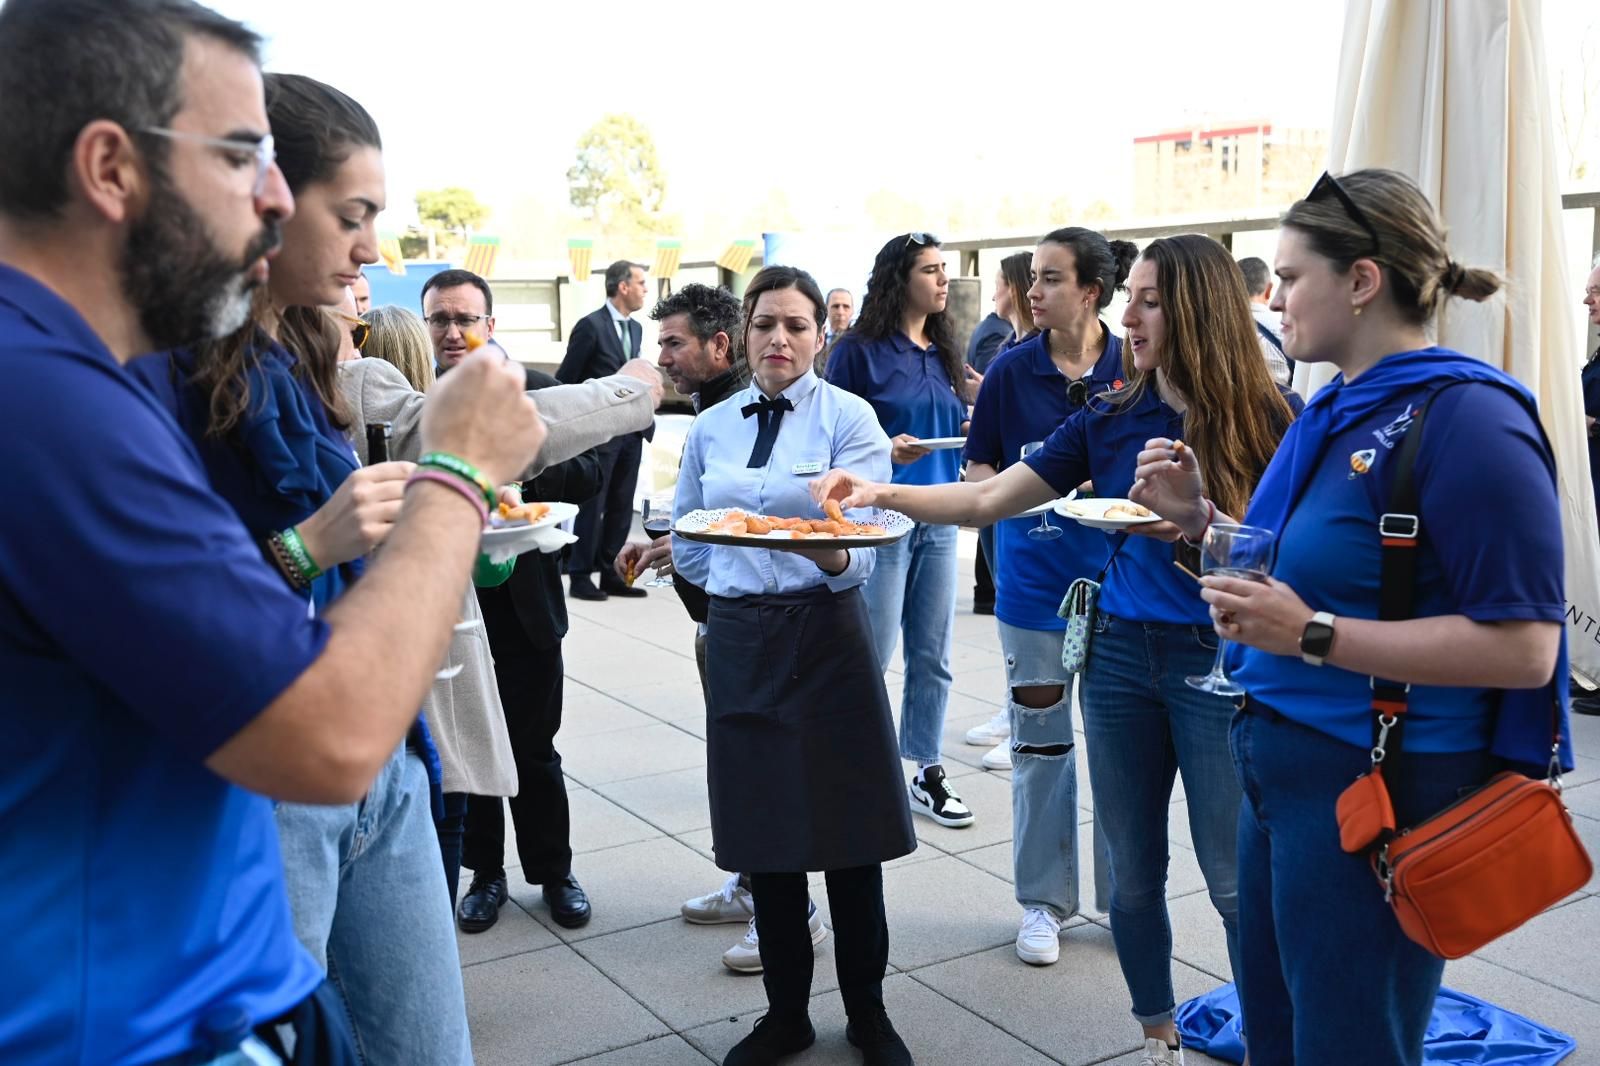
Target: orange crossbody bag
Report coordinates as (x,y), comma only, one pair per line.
(1495,858)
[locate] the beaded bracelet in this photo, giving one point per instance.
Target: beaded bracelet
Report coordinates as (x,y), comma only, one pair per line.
(467,490)
(463,469)
(280,558)
(290,539)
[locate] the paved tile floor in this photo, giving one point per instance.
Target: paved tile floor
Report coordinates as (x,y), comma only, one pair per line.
(640,987)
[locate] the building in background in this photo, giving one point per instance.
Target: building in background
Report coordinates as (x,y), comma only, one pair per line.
(1231,166)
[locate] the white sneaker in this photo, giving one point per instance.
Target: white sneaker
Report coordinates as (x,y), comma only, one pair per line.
(998,757)
(745,956)
(993,731)
(1039,939)
(1157,1053)
(731,903)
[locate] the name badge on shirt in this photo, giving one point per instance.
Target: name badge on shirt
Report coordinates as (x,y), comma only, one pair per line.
(813,467)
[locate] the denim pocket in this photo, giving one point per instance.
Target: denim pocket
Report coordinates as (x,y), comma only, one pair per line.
(1206,637)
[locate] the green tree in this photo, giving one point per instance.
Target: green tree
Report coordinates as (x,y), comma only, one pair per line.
(617,181)
(453,211)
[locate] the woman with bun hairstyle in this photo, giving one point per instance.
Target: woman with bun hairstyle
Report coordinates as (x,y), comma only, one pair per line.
(1030,389)
(1324,968)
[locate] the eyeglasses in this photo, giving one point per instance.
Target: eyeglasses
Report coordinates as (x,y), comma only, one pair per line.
(919,238)
(1329,184)
(1077,393)
(440,322)
(360,331)
(262,151)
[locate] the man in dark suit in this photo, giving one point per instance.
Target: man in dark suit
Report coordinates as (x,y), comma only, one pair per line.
(598,345)
(525,619)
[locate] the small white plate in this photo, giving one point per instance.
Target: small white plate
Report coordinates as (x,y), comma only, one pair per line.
(1092,514)
(1053,506)
(692,526)
(523,536)
(935,444)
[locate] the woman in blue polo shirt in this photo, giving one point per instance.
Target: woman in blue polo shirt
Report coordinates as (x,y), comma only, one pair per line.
(1364,269)
(902,359)
(1030,390)
(1194,371)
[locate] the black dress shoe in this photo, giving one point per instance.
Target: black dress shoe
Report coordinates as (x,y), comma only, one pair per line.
(880,1045)
(621,589)
(772,1039)
(583,589)
(569,904)
(1587,704)
(983,607)
(480,907)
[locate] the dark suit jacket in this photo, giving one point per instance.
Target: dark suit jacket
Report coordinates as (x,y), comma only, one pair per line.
(532,599)
(594,350)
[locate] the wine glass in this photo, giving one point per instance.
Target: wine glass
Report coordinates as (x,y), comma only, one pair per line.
(655,511)
(1044,530)
(1232,551)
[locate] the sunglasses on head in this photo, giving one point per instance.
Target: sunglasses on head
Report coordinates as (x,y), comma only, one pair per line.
(359,330)
(1328,185)
(920,238)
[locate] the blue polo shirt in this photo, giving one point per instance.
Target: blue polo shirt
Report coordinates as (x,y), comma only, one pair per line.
(1023,399)
(140,629)
(909,391)
(1101,443)
(1491,550)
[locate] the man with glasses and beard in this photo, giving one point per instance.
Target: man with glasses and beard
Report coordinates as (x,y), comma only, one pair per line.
(157,666)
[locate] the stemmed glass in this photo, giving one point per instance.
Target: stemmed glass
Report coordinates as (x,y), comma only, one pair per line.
(655,512)
(1044,530)
(1232,551)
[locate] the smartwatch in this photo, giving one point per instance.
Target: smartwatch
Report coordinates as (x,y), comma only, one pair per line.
(1316,641)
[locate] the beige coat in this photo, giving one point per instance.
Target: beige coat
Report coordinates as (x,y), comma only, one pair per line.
(464,713)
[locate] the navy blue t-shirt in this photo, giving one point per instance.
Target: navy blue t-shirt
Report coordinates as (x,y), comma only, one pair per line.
(140,629)
(1102,443)
(1024,399)
(1491,550)
(909,390)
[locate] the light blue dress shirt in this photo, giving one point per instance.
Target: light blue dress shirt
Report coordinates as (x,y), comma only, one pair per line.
(828,428)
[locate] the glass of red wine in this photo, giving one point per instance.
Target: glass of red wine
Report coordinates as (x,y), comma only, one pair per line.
(1232,551)
(656,513)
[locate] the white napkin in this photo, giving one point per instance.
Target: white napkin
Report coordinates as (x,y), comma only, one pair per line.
(546,539)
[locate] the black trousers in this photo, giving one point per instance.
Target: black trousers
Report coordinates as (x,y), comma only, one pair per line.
(605,521)
(530,688)
(860,929)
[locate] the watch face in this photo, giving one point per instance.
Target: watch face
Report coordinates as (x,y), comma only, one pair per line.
(1317,639)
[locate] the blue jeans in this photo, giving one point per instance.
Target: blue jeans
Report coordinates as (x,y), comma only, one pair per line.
(366,888)
(912,593)
(1336,972)
(1144,726)
(1044,774)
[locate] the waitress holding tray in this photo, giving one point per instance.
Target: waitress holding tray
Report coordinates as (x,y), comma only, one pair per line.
(802,764)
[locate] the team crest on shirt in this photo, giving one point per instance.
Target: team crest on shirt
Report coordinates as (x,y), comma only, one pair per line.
(1361,462)
(1388,435)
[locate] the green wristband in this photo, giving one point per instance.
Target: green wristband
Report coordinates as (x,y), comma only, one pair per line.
(300,554)
(451,464)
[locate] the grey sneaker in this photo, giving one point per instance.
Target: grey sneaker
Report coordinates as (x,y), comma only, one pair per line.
(1039,939)
(731,903)
(1157,1053)
(745,956)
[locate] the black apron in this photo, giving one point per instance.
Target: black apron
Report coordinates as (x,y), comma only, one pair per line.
(802,763)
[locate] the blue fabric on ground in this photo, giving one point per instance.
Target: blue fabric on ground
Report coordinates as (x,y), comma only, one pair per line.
(1464,1031)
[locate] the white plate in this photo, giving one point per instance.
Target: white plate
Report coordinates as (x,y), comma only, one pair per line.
(523,537)
(692,526)
(935,444)
(1053,506)
(1092,514)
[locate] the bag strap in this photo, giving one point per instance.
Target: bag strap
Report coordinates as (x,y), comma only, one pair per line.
(1106,569)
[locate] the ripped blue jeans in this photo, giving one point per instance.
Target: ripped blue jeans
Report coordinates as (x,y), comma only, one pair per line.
(1044,774)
